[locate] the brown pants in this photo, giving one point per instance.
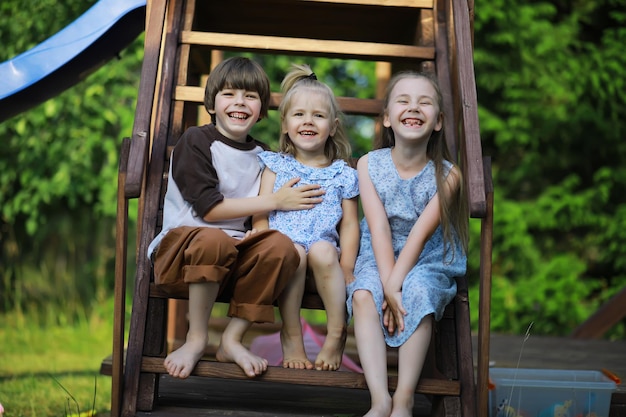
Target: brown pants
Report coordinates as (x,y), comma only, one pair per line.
(252,271)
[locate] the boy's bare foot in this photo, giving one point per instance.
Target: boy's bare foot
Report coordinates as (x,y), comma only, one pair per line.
(329,358)
(181,362)
(233,351)
(294,355)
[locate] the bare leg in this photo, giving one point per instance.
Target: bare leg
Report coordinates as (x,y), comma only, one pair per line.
(181,362)
(289,303)
(372,350)
(331,287)
(411,358)
(232,350)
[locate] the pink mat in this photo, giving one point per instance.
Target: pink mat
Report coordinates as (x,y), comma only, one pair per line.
(268,347)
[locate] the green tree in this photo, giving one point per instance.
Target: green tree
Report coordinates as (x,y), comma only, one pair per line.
(550,78)
(58,169)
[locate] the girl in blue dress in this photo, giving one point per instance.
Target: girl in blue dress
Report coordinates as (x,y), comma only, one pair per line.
(413,243)
(314,148)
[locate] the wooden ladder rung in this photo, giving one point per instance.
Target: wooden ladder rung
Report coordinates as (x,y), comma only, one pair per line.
(340,379)
(344,49)
(349,105)
(310,301)
(416,4)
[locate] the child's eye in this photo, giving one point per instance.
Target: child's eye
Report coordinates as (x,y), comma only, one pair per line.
(320,115)
(226,93)
(297,114)
(425,103)
(252,96)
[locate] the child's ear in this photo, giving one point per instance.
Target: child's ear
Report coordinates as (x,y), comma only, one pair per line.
(386,121)
(439,123)
(334,128)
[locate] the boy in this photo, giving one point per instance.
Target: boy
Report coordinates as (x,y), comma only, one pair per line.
(205,244)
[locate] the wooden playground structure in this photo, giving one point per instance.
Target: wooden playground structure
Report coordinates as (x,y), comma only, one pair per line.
(184,39)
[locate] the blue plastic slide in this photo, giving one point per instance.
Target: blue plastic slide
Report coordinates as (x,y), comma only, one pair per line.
(70,55)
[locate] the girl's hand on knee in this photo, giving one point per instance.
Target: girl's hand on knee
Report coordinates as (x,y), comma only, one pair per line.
(396,310)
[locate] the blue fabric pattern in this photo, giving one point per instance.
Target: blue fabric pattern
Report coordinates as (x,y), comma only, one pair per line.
(306,227)
(430,285)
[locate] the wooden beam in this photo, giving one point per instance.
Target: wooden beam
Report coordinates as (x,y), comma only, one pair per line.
(602,320)
(215,369)
(416,4)
(349,105)
(276,44)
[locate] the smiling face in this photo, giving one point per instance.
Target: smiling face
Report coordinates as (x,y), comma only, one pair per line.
(308,122)
(236,111)
(413,111)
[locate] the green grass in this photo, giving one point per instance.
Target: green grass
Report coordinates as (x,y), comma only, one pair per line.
(35,360)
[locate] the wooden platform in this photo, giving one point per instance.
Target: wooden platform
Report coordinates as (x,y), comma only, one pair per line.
(220,397)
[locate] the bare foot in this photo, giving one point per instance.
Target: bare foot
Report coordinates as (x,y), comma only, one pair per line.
(402,405)
(380,410)
(233,351)
(329,358)
(294,355)
(181,362)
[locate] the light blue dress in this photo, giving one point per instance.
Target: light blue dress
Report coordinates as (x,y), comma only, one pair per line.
(305,227)
(430,285)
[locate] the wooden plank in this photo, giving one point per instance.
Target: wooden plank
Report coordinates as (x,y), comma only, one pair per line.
(137,332)
(141,127)
(417,4)
(484,299)
(309,301)
(469,109)
(349,105)
(276,44)
(602,320)
(119,291)
(450,121)
(219,397)
(464,348)
(338,379)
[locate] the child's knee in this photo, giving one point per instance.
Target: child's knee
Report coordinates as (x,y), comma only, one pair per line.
(323,253)
(362,298)
(211,247)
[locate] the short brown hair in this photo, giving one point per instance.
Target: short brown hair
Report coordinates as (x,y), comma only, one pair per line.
(238,73)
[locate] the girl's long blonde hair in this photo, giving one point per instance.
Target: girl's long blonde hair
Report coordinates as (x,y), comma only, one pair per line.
(454,210)
(301,79)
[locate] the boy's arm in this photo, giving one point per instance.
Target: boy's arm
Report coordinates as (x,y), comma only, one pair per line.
(349,235)
(285,198)
(268,178)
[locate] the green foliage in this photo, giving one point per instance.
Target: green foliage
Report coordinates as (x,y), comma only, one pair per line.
(58,182)
(550,79)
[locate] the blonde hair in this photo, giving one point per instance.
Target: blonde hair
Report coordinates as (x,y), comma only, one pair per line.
(302,78)
(453,210)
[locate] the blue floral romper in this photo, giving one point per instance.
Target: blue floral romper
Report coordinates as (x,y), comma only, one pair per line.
(430,285)
(305,227)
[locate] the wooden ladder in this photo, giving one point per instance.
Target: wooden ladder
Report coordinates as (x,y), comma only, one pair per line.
(182,43)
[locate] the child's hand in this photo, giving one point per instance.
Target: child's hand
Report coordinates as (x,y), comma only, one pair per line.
(303,197)
(393,316)
(250,232)
(348,277)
